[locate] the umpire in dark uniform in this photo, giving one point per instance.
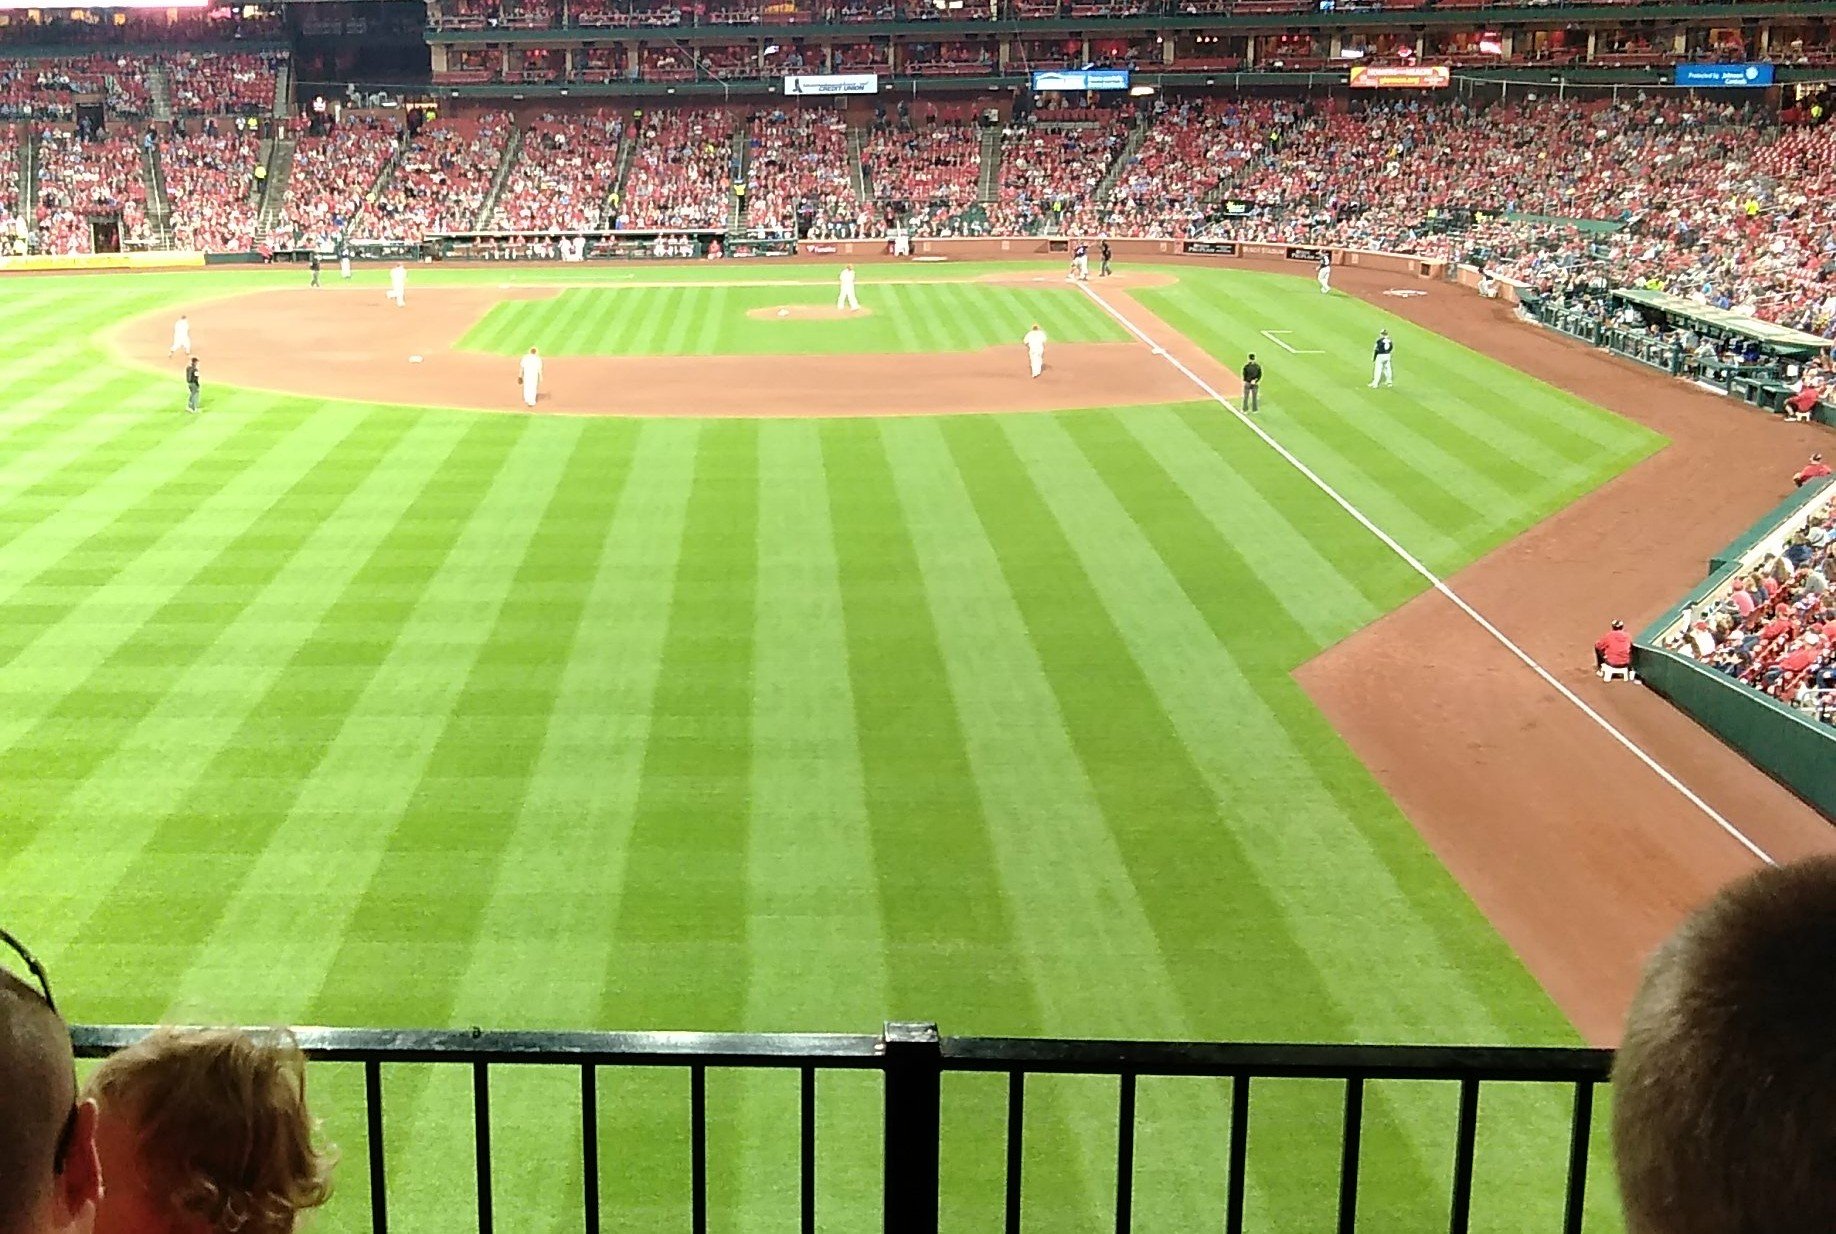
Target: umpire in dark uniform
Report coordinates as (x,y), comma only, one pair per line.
(1252,385)
(194,387)
(314,259)
(1104,272)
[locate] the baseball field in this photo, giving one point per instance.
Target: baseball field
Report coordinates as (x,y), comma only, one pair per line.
(804,713)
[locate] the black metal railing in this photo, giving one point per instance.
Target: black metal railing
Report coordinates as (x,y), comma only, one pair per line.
(912,1060)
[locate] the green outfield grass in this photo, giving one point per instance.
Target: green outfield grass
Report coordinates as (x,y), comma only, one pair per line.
(704,321)
(321,712)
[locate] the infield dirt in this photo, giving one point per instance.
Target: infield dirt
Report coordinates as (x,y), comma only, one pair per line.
(354,344)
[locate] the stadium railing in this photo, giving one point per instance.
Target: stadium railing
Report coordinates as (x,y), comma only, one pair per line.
(912,1059)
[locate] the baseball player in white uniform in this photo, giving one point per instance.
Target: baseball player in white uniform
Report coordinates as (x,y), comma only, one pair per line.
(1035,341)
(398,285)
(530,368)
(181,337)
(1380,360)
(1325,274)
(344,265)
(846,299)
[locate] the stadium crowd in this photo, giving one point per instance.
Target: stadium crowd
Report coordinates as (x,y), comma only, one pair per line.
(1775,628)
(441,178)
(798,178)
(331,174)
(562,176)
(48,89)
(682,171)
(79,178)
(1720,203)
(211,83)
(926,170)
(210,189)
(1049,176)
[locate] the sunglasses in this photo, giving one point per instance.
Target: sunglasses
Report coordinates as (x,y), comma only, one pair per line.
(61,1149)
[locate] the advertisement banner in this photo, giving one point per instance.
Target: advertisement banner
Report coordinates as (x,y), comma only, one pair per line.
(1081,79)
(105,261)
(832,83)
(1298,253)
(1724,76)
(1383,77)
(15,5)
(1211,248)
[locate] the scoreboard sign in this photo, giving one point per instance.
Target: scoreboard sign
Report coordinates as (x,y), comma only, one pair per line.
(832,83)
(1380,77)
(1724,76)
(1081,79)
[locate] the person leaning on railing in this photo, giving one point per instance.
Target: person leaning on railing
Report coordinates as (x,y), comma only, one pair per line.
(206,1131)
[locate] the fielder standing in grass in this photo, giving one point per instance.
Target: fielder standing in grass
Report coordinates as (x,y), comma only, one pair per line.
(530,369)
(846,299)
(194,387)
(1035,341)
(1252,385)
(1380,360)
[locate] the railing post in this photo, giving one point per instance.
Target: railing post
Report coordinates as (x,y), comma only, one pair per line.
(913,1065)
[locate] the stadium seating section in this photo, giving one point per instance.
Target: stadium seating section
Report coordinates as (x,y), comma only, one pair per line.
(79,178)
(1697,196)
(1775,628)
(563,174)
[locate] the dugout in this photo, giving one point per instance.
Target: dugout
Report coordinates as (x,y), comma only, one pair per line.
(1779,352)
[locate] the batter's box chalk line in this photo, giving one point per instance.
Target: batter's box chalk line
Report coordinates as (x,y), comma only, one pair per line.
(1272,336)
(1436,582)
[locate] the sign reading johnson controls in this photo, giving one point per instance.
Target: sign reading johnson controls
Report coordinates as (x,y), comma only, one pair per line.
(1724,75)
(832,83)
(1081,79)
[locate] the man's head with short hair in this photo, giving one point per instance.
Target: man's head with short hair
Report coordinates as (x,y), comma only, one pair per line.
(1724,1109)
(49,1179)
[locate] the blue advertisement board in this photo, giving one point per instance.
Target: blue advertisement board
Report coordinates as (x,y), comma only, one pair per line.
(1081,79)
(1724,75)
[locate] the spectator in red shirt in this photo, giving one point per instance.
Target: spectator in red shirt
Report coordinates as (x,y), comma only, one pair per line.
(1614,649)
(1800,405)
(1816,469)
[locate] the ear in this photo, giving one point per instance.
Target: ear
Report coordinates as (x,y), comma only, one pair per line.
(79,1188)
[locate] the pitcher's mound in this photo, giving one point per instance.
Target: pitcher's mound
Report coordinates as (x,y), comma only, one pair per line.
(806,312)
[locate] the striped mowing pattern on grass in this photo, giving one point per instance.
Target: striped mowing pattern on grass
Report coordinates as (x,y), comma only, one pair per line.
(705,321)
(350,714)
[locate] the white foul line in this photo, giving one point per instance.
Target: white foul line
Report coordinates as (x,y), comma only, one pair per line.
(1279,342)
(1435,581)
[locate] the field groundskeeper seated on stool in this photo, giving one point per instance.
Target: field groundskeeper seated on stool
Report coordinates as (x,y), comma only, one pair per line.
(1613,651)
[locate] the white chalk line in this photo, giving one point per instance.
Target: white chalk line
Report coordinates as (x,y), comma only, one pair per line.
(1274,337)
(1438,583)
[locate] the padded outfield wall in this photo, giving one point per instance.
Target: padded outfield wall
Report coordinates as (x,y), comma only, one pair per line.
(1788,745)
